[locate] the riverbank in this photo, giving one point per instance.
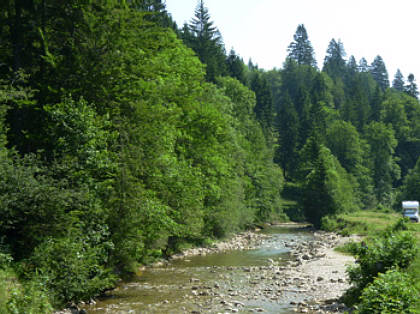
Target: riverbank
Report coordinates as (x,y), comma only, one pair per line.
(264,278)
(322,273)
(319,270)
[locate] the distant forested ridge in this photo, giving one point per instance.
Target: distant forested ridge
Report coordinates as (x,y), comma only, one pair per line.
(124,137)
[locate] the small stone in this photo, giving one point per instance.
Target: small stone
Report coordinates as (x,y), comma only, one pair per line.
(319,278)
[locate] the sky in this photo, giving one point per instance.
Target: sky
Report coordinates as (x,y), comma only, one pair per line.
(263,29)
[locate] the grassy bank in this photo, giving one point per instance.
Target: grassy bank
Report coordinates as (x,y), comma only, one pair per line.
(371,224)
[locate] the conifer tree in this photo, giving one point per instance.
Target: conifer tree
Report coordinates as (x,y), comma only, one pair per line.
(334,62)
(326,187)
(376,105)
(156,12)
(411,87)
(356,108)
(301,49)
(398,82)
(363,65)
(205,39)
(264,102)
(352,65)
(411,187)
(379,72)
(236,67)
(288,129)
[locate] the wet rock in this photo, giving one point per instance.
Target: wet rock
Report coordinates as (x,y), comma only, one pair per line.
(306,257)
(237,303)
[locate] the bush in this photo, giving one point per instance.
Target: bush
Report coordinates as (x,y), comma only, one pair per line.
(71,269)
(392,292)
(390,250)
(31,298)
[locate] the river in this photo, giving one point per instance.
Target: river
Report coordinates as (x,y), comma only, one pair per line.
(230,282)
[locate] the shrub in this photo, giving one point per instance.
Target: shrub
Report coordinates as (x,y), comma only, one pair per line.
(71,269)
(392,292)
(390,250)
(30,298)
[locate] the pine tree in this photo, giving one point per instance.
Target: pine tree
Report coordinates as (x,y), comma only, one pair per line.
(205,39)
(398,82)
(356,108)
(352,65)
(411,87)
(326,188)
(301,49)
(334,62)
(379,72)
(411,187)
(363,65)
(264,102)
(376,105)
(157,11)
(236,67)
(288,128)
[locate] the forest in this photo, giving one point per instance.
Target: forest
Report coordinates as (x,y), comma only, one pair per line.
(125,137)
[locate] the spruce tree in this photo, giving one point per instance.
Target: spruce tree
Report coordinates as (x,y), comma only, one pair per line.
(398,82)
(288,130)
(236,67)
(264,102)
(301,49)
(352,65)
(379,72)
(156,10)
(334,62)
(205,39)
(363,65)
(411,87)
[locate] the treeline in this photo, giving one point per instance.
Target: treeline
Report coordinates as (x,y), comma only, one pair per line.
(124,136)
(344,136)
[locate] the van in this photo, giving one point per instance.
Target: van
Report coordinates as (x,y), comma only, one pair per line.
(411,210)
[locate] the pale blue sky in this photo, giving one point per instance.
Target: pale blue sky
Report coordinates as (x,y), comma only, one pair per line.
(262,29)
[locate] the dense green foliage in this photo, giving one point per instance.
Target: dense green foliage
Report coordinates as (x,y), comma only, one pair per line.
(396,249)
(115,150)
(391,292)
(123,137)
(388,265)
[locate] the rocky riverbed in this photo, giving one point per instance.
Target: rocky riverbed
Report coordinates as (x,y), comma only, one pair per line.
(300,273)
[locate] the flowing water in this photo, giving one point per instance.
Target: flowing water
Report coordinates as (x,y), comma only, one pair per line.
(229,282)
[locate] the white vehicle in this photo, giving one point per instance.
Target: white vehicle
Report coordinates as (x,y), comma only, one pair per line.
(411,210)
